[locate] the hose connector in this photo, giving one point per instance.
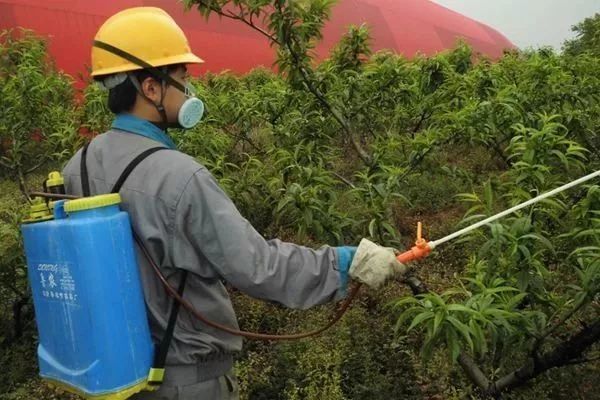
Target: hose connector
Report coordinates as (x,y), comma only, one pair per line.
(421,249)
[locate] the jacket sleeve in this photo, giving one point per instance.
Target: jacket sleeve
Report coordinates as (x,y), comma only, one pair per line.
(209,233)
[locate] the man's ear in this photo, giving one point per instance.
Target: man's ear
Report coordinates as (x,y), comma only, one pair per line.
(152,89)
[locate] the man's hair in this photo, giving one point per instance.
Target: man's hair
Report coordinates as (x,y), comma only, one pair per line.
(122,97)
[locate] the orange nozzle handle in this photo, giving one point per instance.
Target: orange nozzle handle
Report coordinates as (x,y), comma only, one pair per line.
(420,250)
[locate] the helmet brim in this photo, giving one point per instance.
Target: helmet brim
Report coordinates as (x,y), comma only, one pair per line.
(187,58)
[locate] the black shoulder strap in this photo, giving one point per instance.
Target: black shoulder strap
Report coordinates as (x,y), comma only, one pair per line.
(132,166)
(85,182)
(160,357)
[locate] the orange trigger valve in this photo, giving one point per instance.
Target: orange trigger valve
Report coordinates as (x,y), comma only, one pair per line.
(420,250)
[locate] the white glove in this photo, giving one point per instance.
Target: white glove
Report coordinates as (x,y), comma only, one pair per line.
(373,265)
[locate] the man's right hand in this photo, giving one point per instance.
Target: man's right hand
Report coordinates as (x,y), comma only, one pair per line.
(373,265)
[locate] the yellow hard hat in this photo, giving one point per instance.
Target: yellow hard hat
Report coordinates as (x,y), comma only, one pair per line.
(148,33)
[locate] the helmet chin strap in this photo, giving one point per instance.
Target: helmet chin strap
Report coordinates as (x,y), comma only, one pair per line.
(164,124)
(160,107)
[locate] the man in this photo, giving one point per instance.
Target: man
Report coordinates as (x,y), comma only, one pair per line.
(186,222)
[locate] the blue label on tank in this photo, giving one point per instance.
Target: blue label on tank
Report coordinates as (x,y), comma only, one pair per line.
(56,282)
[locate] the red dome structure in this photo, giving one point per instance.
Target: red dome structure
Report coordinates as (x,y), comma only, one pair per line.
(405,26)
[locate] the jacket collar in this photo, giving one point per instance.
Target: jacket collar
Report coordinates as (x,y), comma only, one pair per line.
(131,123)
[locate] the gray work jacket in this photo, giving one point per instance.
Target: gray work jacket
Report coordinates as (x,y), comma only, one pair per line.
(186,221)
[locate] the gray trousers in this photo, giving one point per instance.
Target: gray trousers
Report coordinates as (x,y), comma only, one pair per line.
(213,380)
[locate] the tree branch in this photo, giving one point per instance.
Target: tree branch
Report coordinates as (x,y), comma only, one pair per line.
(416,285)
(424,116)
(244,138)
(22,183)
(275,117)
(417,160)
(321,97)
(32,169)
(561,355)
(566,316)
(241,18)
(500,153)
(305,76)
(5,165)
(367,159)
(343,179)
(583,361)
(473,371)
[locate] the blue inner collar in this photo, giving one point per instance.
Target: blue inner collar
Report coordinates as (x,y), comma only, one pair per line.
(131,123)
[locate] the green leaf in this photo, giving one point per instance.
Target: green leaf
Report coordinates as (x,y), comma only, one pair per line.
(463,329)
(461,308)
(488,195)
(420,318)
(372,228)
(439,317)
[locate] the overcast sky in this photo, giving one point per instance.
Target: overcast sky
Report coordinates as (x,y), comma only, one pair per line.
(528,23)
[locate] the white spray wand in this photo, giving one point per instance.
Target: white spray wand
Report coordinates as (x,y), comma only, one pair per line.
(422,247)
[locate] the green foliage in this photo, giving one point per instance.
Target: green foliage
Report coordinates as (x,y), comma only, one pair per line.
(13,284)
(95,116)
(488,312)
(351,361)
(353,50)
(37,110)
(377,192)
(588,37)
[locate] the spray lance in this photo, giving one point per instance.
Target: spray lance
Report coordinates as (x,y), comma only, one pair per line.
(421,249)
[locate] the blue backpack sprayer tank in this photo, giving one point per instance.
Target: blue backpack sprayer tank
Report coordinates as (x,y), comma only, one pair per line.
(93,330)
